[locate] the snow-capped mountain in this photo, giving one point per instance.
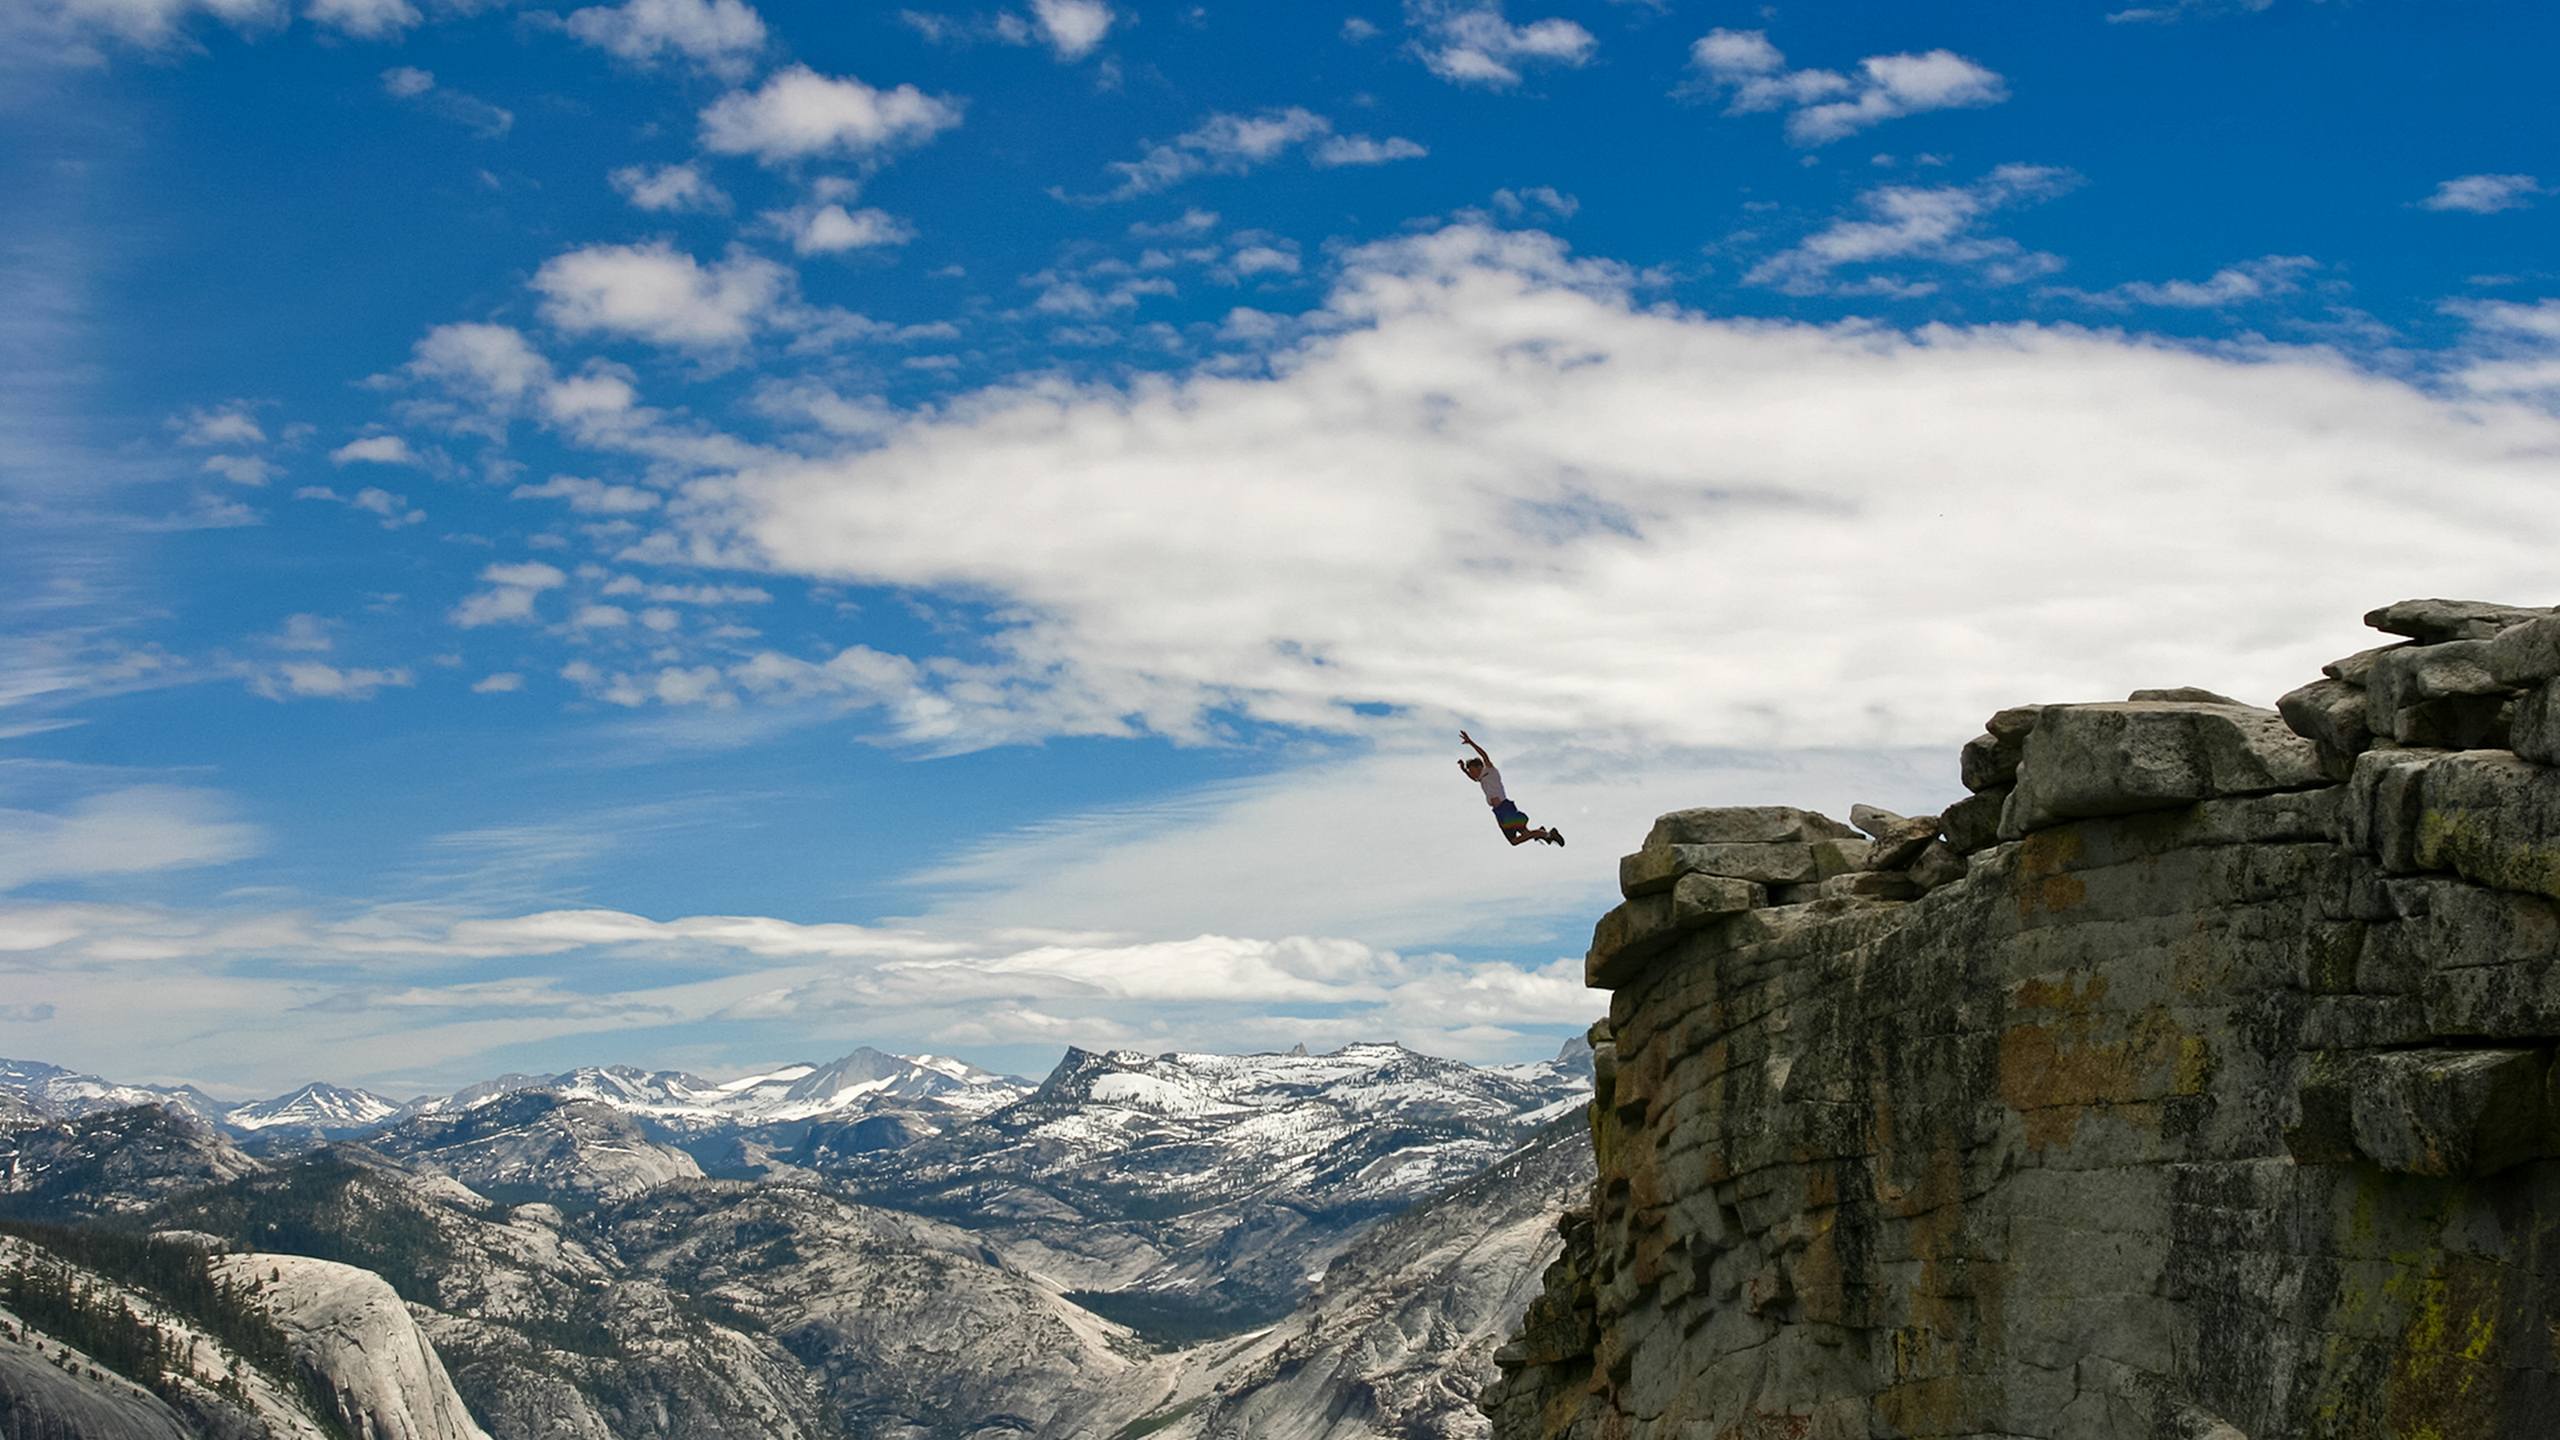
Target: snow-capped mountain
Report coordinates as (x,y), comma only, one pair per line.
(330,1111)
(865,1081)
(1212,1187)
(67,1094)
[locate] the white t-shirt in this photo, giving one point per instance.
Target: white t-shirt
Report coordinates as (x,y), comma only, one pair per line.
(1491,780)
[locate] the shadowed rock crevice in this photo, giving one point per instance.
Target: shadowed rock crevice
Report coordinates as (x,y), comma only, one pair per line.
(2193,1077)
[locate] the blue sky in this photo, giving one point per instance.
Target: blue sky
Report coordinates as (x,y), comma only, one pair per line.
(676,532)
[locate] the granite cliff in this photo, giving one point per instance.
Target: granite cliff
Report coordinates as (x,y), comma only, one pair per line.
(2192,1078)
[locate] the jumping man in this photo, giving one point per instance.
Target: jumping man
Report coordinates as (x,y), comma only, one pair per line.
(1515,826)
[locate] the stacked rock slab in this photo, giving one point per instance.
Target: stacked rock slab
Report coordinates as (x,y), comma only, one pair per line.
(2213,1097)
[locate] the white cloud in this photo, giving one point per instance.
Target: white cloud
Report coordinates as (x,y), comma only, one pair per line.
(1470,42)
(242,469)
(591,497)
(491,364)
(309,634)
(1263,260)
(64,29)
(657,293)
(688,594)
(668,188)
(503,683)
(599,617)
(2251,280)
(1937,224)
(1826,105)
(1488,484)
(1072,27)
(510,596)
(375,450)
(1336,150)
(1518,203)
(719,37)
(2483,194)
(230,424)
(2514,350)
(313,679)
(1222,144)
(419,87)
(364,19)
(393,510)
(132,831)
(832,230)
(800,114)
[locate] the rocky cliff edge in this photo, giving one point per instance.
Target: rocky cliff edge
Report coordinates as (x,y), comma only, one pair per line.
(2191,1078)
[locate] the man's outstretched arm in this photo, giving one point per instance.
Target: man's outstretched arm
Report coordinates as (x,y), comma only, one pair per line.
(1472,745)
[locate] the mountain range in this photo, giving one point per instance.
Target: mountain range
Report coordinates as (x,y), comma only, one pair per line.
(1183,1245)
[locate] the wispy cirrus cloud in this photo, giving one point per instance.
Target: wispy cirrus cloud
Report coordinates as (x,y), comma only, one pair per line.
(1231,144)
(419,87)
(1940,225)
(2250,281)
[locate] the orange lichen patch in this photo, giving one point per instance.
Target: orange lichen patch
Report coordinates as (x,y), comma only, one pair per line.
(2041,878)
(2050,1073)
(2060,995)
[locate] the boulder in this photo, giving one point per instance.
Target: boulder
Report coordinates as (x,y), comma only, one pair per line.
(2493,819)
(2534,731)
(1744,825)
(1973,823)
(2380,817)
(2186,694)
(2353,669)
(2404,678)
(1656,868)
(1899,839)
(2528,653)
(2084,761)
(2331,715)
(1938,865)
(2451,1112)
(1839,857)
(1869,885)
(2432,622)
(1703,897)
(1991,758)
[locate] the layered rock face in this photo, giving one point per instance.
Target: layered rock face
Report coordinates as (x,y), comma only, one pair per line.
(2193,1078)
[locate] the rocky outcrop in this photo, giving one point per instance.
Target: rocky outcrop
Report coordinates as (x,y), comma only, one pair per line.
(348,1329)
(2202,1086)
